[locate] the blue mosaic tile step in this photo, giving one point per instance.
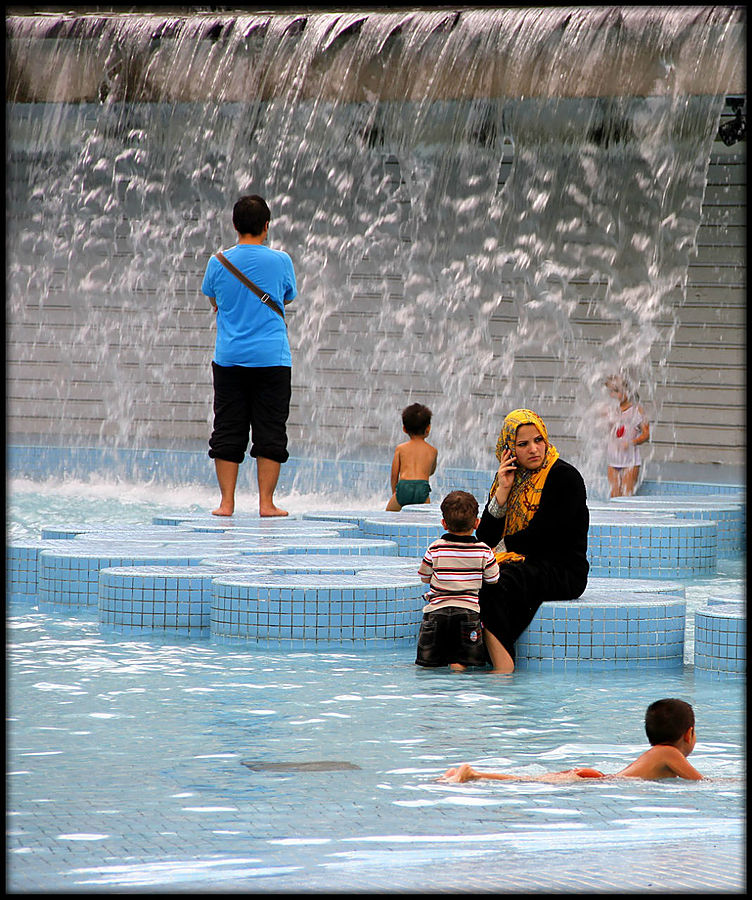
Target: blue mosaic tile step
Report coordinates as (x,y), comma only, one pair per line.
(728,513)
(301,529)
(356,516)
(249,524)
(623,545)
(316,608)
(600,635)
(219,535)
(606,588)
(352,546)
(273,524)
(22,566)
(410,533)
(651,487)
(721,639)
(312,562)
(108,532)
(71,577)
(729,596)
(159,598)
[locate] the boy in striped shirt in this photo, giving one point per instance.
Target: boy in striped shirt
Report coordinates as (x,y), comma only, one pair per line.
(455,566)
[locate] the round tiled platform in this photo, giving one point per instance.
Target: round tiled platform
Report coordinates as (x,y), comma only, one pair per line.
(351,546)
(109,532)
(600,588)
(316,609)
(411,533)
(621,546)
(287,564)
(70,577)
(356,516)
(728,513)
(22,566)
(345,529)
(248,522)
(721,639)
(177,599)
(324,586)
(628,632)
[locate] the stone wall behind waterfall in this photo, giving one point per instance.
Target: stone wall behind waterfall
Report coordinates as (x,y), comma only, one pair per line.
(94,355)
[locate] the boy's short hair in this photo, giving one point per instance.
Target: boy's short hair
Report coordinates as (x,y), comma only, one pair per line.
(666,721)
(250,214)
(460,510)
(416,418)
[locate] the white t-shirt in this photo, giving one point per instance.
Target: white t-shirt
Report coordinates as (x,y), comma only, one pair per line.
(622,453)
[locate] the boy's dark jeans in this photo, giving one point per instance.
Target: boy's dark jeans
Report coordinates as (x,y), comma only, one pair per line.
(451,635)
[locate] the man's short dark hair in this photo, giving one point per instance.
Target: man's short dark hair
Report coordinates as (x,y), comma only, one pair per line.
(666,721)
(250,214)
(460,510)
(416,418)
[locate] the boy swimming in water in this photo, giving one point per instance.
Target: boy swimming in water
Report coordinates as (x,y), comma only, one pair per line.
(670,728)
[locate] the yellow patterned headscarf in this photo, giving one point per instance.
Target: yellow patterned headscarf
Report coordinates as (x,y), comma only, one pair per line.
(525,494)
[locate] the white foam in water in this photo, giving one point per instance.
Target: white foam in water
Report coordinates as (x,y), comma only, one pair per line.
(35,505)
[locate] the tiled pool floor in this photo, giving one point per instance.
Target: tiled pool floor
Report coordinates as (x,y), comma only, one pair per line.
(125,770)
(126,773)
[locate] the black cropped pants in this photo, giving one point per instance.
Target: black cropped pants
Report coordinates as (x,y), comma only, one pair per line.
(250,405)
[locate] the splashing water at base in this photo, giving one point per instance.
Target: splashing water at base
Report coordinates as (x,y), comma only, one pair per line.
(482,248)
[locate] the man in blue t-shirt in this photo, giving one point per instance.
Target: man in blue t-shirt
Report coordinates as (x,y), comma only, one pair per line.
(252,365)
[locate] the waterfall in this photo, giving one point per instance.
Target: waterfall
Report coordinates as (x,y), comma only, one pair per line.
(462,193)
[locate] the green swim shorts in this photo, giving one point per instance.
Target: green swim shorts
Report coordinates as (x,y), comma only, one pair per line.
(412,491)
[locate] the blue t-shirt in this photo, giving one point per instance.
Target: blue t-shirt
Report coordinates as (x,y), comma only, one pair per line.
(248,332)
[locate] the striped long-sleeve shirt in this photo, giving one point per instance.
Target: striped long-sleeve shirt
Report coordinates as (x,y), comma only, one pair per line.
(456,566)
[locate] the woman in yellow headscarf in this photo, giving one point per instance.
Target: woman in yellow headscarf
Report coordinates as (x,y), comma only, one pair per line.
(537,520)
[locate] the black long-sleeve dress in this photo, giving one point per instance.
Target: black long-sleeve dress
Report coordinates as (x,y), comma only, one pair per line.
(554,544)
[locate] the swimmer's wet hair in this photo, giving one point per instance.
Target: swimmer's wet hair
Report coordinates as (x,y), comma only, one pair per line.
(460,510)
(666,721)
(416,418)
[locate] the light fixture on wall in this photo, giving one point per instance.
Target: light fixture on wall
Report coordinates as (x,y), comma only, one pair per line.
(733,130)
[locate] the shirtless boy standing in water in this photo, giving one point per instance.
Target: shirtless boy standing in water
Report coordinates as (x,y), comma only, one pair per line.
(670,728)
(414,460)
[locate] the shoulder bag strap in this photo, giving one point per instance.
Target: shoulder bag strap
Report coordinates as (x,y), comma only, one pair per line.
(262,295)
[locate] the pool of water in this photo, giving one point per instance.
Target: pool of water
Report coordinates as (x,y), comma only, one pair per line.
(181,764)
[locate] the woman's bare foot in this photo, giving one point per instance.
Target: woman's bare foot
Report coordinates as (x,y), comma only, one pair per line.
(223,510)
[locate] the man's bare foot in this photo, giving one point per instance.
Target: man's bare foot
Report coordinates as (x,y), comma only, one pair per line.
(272,510)
(223,510)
